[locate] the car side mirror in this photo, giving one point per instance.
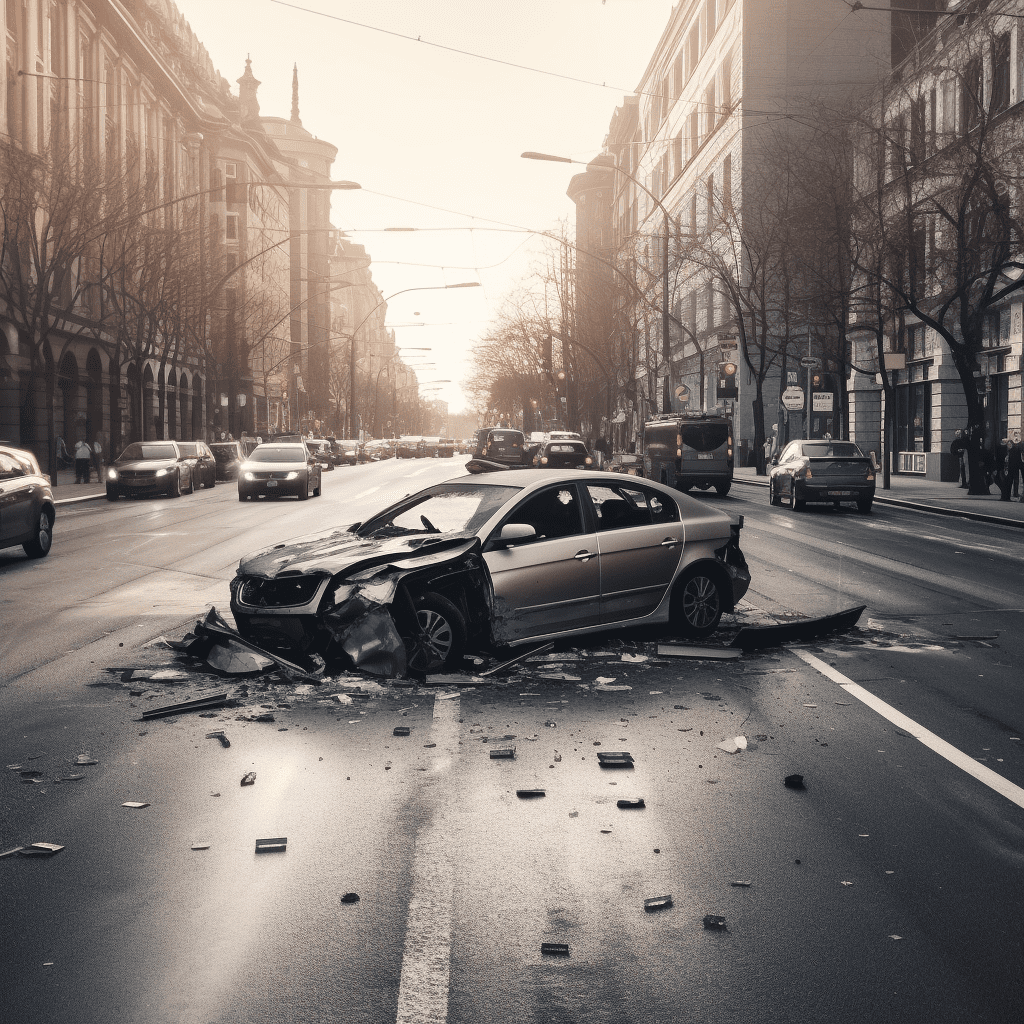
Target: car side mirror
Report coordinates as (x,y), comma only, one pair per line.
(513,533)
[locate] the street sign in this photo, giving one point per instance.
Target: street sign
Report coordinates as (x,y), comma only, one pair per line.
(792,377)
(793,398)
(821,401)
(728,342)
(809,362)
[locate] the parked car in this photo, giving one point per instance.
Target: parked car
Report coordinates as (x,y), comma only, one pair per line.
(563,455)
(428,447)
(276,469)
(27,510)
(499,444)
(346,451)
(204,463)
(408,446)
(509,558)
(150,467)
(321,451)
(229,455)
(446,447)
(823,471)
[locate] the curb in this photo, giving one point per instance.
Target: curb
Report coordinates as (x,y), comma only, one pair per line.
(78,501)
(916,506)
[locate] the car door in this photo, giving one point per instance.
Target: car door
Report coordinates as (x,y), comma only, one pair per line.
(640,538)
(17,505)
(550,583)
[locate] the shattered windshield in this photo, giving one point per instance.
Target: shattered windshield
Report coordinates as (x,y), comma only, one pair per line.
(447,508)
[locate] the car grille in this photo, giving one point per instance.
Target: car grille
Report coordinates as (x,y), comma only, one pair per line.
(279,593)
(271,476)
(133,476)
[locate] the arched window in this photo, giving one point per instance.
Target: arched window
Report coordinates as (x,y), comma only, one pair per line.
(134,386)
(152,427)
(94,393)
(67,380)
(185,432)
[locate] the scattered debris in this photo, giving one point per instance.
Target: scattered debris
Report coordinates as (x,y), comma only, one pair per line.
(810,705)
(702,653)
(657,903)
(607,687)
(615,759)
(741,885)
(165,675)
(133,803)
(550,724)
(40,850)
(714,921)
(527,794)
(263,716)
(634,659)
(200,846)
(895,936)
(218,734)
(248,779)
(503,752)
(752,638)
(272,845)
(733,745)
(85,759)
(562,676)
(350,897)
(401,730)
(794,782)
(232,659)
(554,949)
(846,883)
(574,814)
(495,669)
(13,850)
(636,802)
(199,704)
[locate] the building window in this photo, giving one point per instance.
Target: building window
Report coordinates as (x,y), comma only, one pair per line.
(949,109)
(727,183)
(710,109)
(971,96)
(917,122)
(725,88)
(677,75)
(710,21)
(712,217)
(914,417)
(1000,73)
(709,304)
(692,50)
(677,153)
(231,227)
(694,134)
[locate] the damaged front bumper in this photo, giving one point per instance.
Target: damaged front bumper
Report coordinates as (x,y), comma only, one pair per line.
(730,557)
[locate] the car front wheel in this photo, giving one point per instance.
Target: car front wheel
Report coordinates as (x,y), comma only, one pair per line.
(697,604)
(864,506)
(794,502)
(440,639)
(112,494)
(40,545)
(174,491)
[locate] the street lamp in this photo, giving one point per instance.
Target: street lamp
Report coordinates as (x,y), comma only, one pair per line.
(666,345)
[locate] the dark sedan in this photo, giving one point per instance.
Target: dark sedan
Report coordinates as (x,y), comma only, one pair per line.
(26,503)
(510,558)
(823,472)
(276,469)
(204,463)
(229,455)
(563,455)
(150,467)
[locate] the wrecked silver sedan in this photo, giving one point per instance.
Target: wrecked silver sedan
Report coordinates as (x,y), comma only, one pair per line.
(482,563)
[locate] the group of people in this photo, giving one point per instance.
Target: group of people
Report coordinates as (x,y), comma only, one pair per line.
(87,457)
(1003,467)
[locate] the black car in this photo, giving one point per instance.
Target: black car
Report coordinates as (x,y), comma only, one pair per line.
(204,462)
(408,446)
(26,503)
(427,448)
(150,467)
(563,455)
(822,471)
(446,447)
(501,445)
(276,469)
(229,455)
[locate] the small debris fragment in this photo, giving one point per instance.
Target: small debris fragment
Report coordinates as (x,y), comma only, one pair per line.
(429,744)
(85,759)
(810,705)
(741,885)
(733,745)
(636,802)
(401,730)
(503,752)
(350,897)
(572,814)
(634,659)
(794,782)
(248,779)
(272,845)
(846,883)
(554,949)
(526,794)
(615,758)
(219,735)
(266,716)
(895,936)
(200,846)
(703,653)
(200,704)
(133,803)
(40,850)
(13,850)
(550,724)
(30,774)
(714,921)
(657,902)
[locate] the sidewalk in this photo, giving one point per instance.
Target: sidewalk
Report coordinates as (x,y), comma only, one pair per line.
(67,492)
(914,492)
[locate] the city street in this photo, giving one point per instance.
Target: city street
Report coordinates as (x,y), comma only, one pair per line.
(886,889)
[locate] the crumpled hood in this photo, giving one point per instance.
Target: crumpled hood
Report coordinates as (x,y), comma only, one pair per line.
(331,553)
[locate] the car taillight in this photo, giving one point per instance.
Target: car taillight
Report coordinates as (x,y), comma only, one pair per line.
(588,460)
(543,460)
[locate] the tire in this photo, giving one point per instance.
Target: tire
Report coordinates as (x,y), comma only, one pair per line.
(174,491)
(318,488)
(39,546)
(773,498)
(697,604)
(864,507)
(723,489)
(304,493)
(112,494)
(242,496)
(442,635)
(191,484)
(794,503)
(213,480)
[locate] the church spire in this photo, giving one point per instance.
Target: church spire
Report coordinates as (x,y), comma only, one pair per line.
(249,106)
(295,96)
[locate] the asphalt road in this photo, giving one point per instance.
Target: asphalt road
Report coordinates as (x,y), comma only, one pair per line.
(889,889)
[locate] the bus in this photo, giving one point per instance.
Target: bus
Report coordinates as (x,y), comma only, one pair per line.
(688,450)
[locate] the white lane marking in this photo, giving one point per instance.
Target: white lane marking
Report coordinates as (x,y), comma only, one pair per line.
(427,954)
(957,757)
(363,494)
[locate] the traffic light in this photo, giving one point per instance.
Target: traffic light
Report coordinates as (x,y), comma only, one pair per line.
(727,387)
(545,354)
(560,383)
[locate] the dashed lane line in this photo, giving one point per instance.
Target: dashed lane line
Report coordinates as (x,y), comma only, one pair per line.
(956,757)
(363,494)
(427,954)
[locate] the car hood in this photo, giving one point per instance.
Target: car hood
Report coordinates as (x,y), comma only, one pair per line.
(145,464)
(275,467)
(343,552)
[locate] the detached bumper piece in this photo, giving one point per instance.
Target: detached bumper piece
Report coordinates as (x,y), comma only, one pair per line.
(635,804)
(529,794)
(503,752)
(278,845)
(658,903)
(752,638)
(554,948)
(217,700)
(615,759)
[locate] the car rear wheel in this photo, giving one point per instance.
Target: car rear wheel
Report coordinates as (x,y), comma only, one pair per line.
(174,491)
(697,604)
(441,637)
(316,490)
(39,546)
(112,494)
(304,493)
(794,502)
(864,507)
(723,489)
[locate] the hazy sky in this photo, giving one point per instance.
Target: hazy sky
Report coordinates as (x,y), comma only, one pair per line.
(434,136)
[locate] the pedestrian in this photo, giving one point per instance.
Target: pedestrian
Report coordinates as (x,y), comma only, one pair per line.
(958,447)
(64,460)
(97,457)
(1014,468)
(83,456)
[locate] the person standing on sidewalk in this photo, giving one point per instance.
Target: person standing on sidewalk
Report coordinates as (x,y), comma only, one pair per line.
(958,447)
(97,457)
(83,456)
(1014,468)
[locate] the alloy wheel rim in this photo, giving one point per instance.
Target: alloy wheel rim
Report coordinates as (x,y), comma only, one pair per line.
(45,537)
(700,602)
(435,639)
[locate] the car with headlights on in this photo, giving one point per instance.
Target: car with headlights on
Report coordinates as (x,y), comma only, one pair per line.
(824,472)
(150,467)
(563,455)
(27,510)
(277,469)
(494,561)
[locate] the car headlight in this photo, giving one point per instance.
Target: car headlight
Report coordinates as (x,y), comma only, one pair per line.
(292,475)
(111,474)
(248,475)
(543,460)
(804,473)
(869,476)
(588,461)
(162,472)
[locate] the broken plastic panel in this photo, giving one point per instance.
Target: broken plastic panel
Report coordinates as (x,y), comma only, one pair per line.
(634,803)
(703,653)
(495,669)
(529,794)
(752,638)
(40,850)
(272,845)
(554,948)
(658,902)
(401,730)
(134,803)
(373,643)
(199,704)
(218,734)
(714,921)
(615,758)
(503,752)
